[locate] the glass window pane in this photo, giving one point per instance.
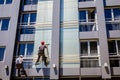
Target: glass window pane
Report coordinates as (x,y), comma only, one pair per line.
(108,15)
(114,63)
(27,31)
(84,48)
(21,49)
(118,43)
(5,24)
(1,1)
(112,47)
(116,13)
(34,1)
(2,50)
(8,1)
(27,2)
(109,26)
(82,16)
(25,18)
(32,18)
(93,48)
(30,49)
(91,15)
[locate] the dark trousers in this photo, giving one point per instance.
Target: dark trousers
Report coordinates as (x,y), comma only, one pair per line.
(43,58)
(21,70)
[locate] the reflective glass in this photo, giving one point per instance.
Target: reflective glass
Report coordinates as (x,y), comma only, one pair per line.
(109,26)
(8,1)
(2,50)
(118,44)
(32,18)
(30,49)
(21,49)
(108,15)
(112,47)
(84,48)
(82,16)
(1,1)
(27,30)
(25,18)
(93,48)
(5,24)
(116,13)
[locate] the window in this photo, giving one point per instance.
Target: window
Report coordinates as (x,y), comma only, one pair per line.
(116,13)
(82,16)
(28,18)
(26,49)
(8,1)
(27,30)
(5,1)
(114,47)
(87,15)
(89,48)
(108,15)
(4,23)
(29,2)
(2,51)
(115,63)
(112,14)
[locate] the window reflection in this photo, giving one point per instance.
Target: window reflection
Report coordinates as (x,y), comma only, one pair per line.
(4,23)
(26,49)
(2,50)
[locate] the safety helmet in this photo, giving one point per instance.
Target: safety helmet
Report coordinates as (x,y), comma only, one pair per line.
(42,43)
(21,56)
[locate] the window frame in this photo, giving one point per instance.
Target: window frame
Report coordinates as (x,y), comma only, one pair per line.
(3,53)
(88,47)
(116,47)
(1,24)
(28,19)
(25,50)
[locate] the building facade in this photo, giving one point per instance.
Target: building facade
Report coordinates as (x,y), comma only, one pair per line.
(83,38)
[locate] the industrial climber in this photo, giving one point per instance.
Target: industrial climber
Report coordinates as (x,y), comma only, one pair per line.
(41,53)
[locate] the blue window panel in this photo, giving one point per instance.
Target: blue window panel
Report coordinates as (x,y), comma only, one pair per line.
(5,24)
(35,2)
(2,50)
(27,2)
(8,1)
(109,26)
(21,49)
(27,31)
(25,18)
(32,18)
(82,16)
(116,13)
(108,15)
(30,48)
(1,1)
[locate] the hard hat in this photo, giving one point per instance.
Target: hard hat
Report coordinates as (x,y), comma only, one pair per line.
(42,42)
(21,56)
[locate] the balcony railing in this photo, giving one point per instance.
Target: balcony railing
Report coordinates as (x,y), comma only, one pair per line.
(113,26)
(89,62)
(87,27)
